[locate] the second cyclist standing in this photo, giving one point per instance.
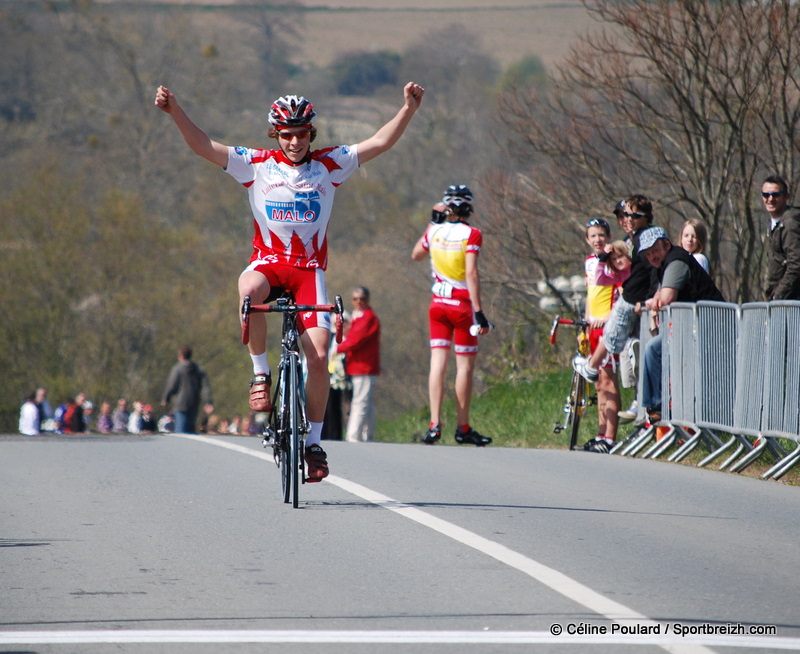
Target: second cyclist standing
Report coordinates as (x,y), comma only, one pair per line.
(454,246)
(291,190)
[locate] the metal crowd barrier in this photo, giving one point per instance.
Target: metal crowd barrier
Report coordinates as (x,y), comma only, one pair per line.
(727,369)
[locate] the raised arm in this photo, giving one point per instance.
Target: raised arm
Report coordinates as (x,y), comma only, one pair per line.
(195,138)
(391,132)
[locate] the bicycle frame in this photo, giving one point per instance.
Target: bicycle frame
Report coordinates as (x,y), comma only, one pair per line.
(288,424)
(577,399)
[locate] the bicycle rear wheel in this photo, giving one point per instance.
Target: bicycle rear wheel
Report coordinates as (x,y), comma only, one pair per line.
(575,402)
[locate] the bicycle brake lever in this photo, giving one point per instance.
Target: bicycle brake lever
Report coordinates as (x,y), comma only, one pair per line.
(553,329)
(246,320)
(339,321)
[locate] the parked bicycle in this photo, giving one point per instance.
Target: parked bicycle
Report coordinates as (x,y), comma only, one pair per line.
(287,424)
(577,399)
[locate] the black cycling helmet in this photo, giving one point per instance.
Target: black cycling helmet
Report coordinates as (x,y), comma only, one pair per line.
(459,198)
(457,191)
(291,111)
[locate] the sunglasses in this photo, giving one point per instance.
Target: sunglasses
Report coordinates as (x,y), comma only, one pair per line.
(359,299)
(774,194)
(635,214)
(598,222)
(301,134)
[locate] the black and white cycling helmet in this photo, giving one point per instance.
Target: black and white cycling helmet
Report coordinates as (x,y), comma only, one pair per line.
(291,111)
(459,198)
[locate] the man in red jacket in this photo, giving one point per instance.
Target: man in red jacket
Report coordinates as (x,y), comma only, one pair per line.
(362,362)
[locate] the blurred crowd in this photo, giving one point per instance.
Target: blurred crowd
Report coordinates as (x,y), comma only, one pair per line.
(79,414)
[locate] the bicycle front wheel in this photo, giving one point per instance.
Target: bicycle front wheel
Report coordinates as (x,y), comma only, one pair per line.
(575,402)
(295,439)
(282,431)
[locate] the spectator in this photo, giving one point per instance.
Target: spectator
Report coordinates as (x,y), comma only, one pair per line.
(72,421)
(235,426)
(29,424)
(783,263)
(693,239)
(135,418)
(601,291)
(45,410)
(623,321)
(148,423)
(105,423)
(88,412)
(188,384)
(455,307)
(362,363)
(291,190)
(166,423)
(120,417)
(628,372)
(681,279)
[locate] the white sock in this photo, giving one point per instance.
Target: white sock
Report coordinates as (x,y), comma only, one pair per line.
(315,436)
(260,364)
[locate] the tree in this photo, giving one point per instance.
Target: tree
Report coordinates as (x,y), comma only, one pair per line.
(691,102)
(361,73)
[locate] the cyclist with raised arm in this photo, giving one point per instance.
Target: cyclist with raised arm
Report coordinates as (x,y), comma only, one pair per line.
(291,190)
(453,246)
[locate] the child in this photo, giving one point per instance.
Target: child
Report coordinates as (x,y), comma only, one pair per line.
(693,240)
(601,291)
(617,267)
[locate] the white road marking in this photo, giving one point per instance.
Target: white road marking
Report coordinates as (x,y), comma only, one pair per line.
(375,637)
(553,579)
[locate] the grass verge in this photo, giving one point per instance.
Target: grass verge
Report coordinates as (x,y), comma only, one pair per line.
(523,415)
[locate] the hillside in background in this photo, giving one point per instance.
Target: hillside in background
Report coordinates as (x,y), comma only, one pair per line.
(123,245)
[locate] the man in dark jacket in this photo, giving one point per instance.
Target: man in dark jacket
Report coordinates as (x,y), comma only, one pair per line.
(681,279)
(783,263)
(188,384)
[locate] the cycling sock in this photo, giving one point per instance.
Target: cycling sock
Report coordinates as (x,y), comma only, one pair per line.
(315,436)
(464,428)
(260,363)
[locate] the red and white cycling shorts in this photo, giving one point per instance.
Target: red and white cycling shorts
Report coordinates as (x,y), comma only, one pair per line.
(595,336)
(449,318)
(306,284)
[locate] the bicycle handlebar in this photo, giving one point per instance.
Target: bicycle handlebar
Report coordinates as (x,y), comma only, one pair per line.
(283,305)
(558,320)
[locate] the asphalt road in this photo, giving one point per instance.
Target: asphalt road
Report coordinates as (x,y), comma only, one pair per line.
(175,544)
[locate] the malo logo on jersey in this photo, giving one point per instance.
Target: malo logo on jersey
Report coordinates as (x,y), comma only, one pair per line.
(304,209)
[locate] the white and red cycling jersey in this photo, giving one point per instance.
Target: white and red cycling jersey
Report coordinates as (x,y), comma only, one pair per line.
(291,203)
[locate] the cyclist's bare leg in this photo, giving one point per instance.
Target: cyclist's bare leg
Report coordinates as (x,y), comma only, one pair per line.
(315,341)
(318,383)
(255,285)
(436,378)
(608,402)
(596,360)
(465,369)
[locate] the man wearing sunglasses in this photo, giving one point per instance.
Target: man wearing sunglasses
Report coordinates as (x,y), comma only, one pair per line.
(291,190)
(783,263)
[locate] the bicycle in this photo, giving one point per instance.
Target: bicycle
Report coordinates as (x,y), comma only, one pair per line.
(287,424)
(577,399)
